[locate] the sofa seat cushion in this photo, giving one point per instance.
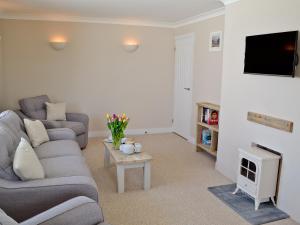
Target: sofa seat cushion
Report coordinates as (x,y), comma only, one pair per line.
(65,166)
(77,127)
(59,148)
(36,132)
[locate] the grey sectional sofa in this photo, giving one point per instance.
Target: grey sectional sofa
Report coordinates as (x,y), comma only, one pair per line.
(67,174)
(77,211)
(35,108)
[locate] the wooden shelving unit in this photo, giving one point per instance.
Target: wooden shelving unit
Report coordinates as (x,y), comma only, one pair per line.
(201,125)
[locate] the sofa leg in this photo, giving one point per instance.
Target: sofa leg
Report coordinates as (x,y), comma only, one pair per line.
(82,141)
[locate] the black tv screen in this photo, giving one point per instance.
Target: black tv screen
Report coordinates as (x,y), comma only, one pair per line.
(272,54)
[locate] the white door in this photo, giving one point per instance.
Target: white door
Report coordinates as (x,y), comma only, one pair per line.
(184,62)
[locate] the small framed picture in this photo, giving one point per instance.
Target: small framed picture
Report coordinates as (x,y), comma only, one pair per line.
(215,41)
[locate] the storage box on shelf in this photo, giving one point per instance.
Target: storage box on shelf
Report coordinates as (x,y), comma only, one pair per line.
(208,114)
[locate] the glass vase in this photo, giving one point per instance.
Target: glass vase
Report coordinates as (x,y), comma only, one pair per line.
(117,137)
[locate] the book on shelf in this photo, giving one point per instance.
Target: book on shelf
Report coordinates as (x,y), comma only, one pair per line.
(210,116)
(206,137)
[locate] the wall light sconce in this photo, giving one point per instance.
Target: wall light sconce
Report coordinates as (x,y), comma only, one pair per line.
(58,43)
(131,45)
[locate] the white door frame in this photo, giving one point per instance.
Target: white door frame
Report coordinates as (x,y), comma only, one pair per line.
(191,35)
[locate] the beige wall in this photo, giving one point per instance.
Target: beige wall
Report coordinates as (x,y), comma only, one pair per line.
(93,74)
(274,96)
(208,65)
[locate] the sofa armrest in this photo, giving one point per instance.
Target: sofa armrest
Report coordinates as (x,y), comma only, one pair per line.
(6,220)
(61,134)
(23,200)
(21,115)
(78,117)
(51,124)
(76,211)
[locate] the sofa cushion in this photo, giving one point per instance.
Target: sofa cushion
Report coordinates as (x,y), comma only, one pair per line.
(65,166)
(11,132)
(14,126)
(36,132)
(34,107)
(58,148)
(26,163)
(8,174)
(77,127)
(6,170)
(56,111)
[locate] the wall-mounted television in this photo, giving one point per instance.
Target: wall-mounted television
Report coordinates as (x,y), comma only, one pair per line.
(272,54)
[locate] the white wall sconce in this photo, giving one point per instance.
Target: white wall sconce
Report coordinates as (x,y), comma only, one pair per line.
(58,43)
(131,45)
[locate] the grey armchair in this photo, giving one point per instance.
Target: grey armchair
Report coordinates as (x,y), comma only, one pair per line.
(35,108)
(77,211)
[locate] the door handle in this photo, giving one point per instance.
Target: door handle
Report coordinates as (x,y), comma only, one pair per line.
(187,89)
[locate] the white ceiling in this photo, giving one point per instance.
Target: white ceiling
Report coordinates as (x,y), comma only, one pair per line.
(155,11)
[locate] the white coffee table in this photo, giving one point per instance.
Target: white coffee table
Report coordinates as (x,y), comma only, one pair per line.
(123,161)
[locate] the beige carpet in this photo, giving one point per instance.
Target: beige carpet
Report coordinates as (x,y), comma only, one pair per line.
(179,196)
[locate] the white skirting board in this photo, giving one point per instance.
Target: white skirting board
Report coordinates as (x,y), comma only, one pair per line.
(192,140)
(105,133)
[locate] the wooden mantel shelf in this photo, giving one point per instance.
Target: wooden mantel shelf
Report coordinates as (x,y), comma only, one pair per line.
(269,121)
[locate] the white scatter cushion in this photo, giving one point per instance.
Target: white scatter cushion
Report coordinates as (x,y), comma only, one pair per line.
(36,131)
(26,164)
(56,111)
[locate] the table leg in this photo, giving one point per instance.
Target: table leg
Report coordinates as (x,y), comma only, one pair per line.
(120,178)
(256,205)
(106,158)
(236,190)
(147,176)
(273,200)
